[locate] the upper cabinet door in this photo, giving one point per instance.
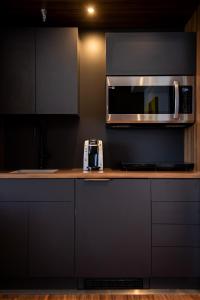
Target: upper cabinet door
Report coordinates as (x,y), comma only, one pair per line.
(57,71)
(152,53)
(17,81)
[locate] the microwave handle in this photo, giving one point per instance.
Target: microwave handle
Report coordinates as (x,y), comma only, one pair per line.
(176,98)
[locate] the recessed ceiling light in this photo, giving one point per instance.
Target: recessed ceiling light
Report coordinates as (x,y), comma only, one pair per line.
(91,10)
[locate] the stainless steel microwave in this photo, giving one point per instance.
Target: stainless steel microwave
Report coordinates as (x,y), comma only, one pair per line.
(150,99)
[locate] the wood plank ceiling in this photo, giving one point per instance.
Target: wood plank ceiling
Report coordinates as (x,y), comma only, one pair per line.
(110,14)
(104,296)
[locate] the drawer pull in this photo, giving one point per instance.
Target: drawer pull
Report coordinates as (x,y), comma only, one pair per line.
(97,179)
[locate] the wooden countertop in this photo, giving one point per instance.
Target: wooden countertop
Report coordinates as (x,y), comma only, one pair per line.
(106,174)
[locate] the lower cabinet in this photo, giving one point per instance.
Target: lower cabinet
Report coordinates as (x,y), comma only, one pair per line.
(119,228)
(36,228)
(175,262)
(175,228)
(51,239)
(113,221)
(14,238)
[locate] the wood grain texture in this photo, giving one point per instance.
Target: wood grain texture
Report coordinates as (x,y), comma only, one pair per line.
(102,297)
(192,134)
(110,13)
(101,175)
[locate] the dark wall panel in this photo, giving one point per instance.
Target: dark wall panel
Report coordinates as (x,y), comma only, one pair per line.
(65,135)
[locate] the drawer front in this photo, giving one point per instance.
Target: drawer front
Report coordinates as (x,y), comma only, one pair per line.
(37,190)
(175,190)
(175,262)
(176,212)
(176,235)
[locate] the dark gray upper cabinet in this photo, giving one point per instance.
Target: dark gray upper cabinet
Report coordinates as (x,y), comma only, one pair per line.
(17,82)
(57,71)
(152,53)
(113,237)
(39,71)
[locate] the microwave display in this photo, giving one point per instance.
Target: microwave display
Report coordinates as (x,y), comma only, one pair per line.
(149,100)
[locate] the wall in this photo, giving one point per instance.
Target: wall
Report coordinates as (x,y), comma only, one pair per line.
(66,135)
(192,134)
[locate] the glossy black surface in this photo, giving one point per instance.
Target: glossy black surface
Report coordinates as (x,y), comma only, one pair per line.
(128,166)
(148,99)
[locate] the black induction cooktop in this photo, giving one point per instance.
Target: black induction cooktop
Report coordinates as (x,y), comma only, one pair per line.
(128,166)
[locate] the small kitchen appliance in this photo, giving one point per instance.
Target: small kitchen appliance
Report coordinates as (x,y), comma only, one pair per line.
(150,100)
(156,166)
(93,155)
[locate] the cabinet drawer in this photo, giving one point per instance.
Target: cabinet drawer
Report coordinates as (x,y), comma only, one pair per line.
(176,212)
(36,190)
(175,262)
(175,190)
(176,235)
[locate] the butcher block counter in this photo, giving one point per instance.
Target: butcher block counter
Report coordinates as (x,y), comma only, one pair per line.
(106,174)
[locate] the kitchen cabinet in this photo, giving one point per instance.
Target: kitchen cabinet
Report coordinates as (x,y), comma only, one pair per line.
(175,228)
(17,60)
(57,71)
(51,239)
(175,262)
(39,71)
(150,53)
(99,228)
(113,237)
(36,190)
(37,227)
(175,190)
(14,239)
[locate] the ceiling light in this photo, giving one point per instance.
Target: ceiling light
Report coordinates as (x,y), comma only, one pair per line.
(91,10)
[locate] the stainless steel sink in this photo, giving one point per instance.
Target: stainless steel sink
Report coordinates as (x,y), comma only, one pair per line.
(34,171)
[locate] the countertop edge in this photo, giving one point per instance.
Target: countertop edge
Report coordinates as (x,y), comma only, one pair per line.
(107,174)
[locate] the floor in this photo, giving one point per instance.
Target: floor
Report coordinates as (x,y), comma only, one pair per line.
(109,295)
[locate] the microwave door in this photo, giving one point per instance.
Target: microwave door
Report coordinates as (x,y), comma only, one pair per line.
(149,100)
(137,102)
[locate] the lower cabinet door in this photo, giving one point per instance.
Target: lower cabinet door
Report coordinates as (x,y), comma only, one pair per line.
(113,228)
(175,262)
(13,237)
(51,240)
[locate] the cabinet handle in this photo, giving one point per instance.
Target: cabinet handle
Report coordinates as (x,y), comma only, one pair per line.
(97,179)
(176,88)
